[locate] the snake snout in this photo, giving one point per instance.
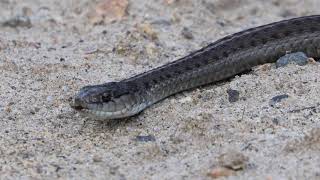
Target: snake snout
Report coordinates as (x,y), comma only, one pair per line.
(85,96)
(77,103)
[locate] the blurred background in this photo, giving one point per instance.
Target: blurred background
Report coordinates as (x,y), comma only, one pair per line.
(49,49)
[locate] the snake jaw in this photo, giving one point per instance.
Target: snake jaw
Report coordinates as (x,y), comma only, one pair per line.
(76,104)
(93,111)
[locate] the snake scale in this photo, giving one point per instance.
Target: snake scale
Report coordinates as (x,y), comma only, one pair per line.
(219,60)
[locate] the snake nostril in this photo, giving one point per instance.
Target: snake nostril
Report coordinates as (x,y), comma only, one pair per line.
(76,103)
(77,107)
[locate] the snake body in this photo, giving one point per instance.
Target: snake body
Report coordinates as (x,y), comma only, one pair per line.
(219,60)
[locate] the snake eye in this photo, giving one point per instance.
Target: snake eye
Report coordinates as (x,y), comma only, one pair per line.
(94,99)
(106,97)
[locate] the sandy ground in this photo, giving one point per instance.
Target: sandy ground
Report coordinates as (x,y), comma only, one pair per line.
(44,61)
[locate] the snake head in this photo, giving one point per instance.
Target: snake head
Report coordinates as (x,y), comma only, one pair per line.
(111,100)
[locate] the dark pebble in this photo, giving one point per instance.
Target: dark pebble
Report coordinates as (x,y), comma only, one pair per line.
(298,58)
(18,21)
(233,95)
(51,49)
(145,138)
(187,33)
(211,7)
(277,99)
(287,13)
(163,22)
(275,121)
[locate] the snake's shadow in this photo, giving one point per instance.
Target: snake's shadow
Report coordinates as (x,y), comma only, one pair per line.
(111,124)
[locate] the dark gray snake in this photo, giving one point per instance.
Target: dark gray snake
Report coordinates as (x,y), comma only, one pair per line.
(219,60)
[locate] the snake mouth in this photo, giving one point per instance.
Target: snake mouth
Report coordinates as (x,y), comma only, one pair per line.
(76,104)
(98,111)
(92,110)
(78,108)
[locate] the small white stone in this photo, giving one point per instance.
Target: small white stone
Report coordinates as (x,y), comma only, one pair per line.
(50,98)
(65,88)
(185,99)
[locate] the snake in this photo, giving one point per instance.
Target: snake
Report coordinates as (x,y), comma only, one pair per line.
(220,60)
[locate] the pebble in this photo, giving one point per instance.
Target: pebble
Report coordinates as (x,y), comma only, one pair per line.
(151,49)
(298,58)
(220,172)
(269,131)
(163,22)
(148,30)
(186,33)
(233,160)
(90,50)
(227,5)
(233,95)
(169,1)
(275,121)
(7,109)
(49,99)
(287,13)
(210,6)
(97,158)
(108,11)
(18,21)
(185,100)
(65,88)
(147,138)
(277,99)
